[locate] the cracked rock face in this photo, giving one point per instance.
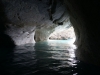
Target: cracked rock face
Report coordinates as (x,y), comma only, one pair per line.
(23,17)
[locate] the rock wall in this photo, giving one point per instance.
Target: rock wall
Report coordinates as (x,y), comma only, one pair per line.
(85,19)
(46,32)
(65,34)
(43,33)
(21,18)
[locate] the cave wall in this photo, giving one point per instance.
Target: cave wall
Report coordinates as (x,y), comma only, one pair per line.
(43,33)
(84,16)
(21,18)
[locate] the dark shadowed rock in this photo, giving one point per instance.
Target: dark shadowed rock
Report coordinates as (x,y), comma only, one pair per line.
(20,20)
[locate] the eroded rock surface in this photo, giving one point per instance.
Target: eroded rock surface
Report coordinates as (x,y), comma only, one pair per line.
(19,19)
(85,19)
(24,17)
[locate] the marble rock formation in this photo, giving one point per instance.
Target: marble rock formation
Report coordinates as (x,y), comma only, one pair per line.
(85,16)
(22,19)
(64,34)
(19,19)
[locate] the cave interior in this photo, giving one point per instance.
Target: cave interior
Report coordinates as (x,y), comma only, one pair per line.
(30,21)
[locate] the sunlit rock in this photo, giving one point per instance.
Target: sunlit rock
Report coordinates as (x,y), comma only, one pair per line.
(63,35)
(43,33)
(46,33)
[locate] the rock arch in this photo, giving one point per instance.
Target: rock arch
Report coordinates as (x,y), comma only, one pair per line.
(20,18)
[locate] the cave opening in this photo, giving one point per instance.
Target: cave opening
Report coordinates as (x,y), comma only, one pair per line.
(41,23)
(63,32)
(66,34)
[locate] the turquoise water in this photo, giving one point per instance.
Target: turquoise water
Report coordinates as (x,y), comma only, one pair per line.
(51,57)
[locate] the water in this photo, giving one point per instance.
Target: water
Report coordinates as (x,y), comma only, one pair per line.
(45,58)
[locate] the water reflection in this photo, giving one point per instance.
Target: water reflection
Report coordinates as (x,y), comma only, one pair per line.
(45,58)
(57,54)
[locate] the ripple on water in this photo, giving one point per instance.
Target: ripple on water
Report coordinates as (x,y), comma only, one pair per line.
(45,58)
